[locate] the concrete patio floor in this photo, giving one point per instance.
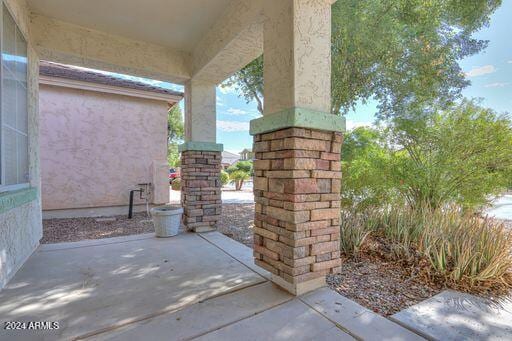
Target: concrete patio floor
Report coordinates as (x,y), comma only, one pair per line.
(453,315)
(193,286)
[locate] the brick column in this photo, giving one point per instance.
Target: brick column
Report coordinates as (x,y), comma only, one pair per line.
(297,193)
(297,144)
(201,189)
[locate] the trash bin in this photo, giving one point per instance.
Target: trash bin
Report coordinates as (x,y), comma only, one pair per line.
(167,220)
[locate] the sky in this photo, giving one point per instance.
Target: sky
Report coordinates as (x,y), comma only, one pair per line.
(490,73)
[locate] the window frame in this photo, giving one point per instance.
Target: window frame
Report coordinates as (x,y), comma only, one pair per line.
(23,185)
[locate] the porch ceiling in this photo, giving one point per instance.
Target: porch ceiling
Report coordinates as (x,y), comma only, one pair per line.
(177,24)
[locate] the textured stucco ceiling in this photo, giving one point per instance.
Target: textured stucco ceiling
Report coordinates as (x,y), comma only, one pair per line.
(178,24)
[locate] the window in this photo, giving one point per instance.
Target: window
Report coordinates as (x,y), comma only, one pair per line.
(13,107)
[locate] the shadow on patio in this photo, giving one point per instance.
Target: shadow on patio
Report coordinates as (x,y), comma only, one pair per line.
(88,286)
(191,286)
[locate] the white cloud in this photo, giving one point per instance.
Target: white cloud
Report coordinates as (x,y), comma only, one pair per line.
(231,126)
(240,112)
(352,125)
(482,70)
(510,62)
(496,85)
(236,112)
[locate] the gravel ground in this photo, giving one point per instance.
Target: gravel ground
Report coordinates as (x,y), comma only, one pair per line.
(386,288)
(75,229)
(236,222)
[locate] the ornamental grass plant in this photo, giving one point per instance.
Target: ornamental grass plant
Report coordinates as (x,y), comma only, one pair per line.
(458,249)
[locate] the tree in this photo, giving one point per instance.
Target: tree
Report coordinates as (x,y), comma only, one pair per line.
(460,155)
(403,53)
(366,165)
(173,155)
(245,166)
(238,177)
(175,132)
(249,81)
(240,172)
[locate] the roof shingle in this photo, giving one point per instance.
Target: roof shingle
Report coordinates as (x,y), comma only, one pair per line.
(88,75)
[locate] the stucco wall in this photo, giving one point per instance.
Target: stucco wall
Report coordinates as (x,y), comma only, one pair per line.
(96,146)
(21,227)
(75,45)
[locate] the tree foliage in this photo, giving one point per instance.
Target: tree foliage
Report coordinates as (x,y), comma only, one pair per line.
(175,132)
(224,177)
(461,155)
(365,166)
(403,53)
(249,81)
(240,172)
(238,177)
(245,166)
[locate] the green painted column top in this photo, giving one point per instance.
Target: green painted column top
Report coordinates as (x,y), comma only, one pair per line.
(297,117)
(13,199)
(201,146)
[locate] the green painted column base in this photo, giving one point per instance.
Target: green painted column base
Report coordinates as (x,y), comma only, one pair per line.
(297,117)
(13,199)
(201,146)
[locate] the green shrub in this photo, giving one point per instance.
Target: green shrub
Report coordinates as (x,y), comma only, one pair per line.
(224,177)
(457,156)
(176,184)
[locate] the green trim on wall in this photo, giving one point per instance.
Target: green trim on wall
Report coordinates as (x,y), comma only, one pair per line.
(13,199)
(297,117)
(201,146)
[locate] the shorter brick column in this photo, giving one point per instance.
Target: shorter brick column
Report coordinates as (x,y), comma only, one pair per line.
(201,189)
(297,193)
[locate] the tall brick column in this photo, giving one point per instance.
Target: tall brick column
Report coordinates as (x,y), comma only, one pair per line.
(200,187)
(297,193)
(297,144)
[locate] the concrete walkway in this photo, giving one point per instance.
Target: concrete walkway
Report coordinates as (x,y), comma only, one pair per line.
(453,315)
(187,287)
(228,196)
(501,208)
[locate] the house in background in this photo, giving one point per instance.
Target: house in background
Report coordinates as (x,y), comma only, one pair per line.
(100,136)
(229,159)
(246,155)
